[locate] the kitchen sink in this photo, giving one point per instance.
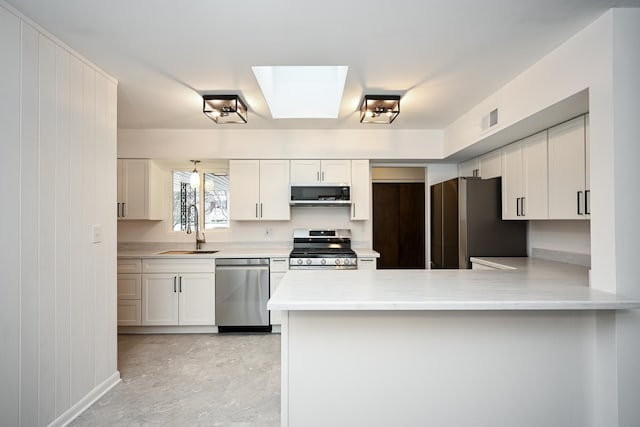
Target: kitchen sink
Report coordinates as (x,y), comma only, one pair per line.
(186,252)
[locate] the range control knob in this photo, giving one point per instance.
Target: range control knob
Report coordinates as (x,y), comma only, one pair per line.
(337,261)
(323,261)
(346,261)
(300,262)
(308,262)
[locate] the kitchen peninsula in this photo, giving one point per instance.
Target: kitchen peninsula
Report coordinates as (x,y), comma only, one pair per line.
(442,348)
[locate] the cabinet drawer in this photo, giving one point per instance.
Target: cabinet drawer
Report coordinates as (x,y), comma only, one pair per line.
(279,265)
(366,263)
(129,286)
(181,265)
(132,265)
(129,313)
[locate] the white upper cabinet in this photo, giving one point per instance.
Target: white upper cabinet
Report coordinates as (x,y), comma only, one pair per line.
(259,189)
(490,165)
(360,189)
(568,171)
(139,189)
(524,179)
(469,168)
(320,171)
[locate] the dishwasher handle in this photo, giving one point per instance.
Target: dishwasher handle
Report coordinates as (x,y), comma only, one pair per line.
(241,262)
(242,267)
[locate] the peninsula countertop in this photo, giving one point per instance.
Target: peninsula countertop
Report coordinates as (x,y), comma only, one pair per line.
(534,284)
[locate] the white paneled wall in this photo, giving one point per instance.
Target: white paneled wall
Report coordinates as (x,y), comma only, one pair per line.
(58,169)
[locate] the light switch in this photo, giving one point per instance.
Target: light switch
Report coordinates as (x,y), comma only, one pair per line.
(96,233)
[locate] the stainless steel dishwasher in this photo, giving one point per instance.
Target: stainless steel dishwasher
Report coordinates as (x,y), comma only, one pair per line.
(242,292)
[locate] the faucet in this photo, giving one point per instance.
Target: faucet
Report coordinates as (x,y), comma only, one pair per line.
(199,236)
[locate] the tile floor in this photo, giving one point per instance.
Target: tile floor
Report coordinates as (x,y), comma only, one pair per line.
(193,380)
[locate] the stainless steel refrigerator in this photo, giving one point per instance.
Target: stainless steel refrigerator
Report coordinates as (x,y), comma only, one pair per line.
(466,221)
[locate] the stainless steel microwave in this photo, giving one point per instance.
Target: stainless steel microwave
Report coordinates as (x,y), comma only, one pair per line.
(303,195)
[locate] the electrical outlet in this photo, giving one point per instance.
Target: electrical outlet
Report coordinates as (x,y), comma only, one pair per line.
(96,233)
(268,232)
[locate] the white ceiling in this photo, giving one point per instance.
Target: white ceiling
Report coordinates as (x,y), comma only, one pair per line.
(442,56)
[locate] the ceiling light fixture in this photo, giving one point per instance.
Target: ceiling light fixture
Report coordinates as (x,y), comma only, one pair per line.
(194,179)
(379,108)
(224,108)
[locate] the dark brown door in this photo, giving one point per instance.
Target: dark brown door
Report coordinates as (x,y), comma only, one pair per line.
(398,225)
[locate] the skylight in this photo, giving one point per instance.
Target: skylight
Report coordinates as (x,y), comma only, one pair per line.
(302,92)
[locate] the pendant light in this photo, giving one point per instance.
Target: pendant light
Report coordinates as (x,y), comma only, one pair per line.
(194,180)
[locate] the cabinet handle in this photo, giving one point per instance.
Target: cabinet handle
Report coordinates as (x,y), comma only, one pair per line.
(522,206)
(278,260)
(578,202)
(180,284)
(174,284)
(123,210)
(256,210)
(587,209)
(260,210)
(318,176)
(118,210)
(323,175)
(517,206)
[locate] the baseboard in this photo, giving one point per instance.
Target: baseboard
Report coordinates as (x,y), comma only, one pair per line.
(88,400)
(167,329)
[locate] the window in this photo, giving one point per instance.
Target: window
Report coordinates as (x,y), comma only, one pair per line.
(212,200)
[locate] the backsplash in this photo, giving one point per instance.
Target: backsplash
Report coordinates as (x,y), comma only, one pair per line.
(269,233)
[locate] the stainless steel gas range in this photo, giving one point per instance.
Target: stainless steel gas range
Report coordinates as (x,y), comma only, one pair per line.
(322,250)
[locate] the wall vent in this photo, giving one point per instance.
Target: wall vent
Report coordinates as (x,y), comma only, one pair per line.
(493,118)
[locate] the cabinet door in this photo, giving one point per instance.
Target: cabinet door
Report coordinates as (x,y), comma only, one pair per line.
(360,190)
(469,168)
(274,282)
(135,184)
(129,313)
(197,299)
(159,299)
(512,188)
(244,189)
(567,170)
(335,171)
(305,171)
(274,190)
(490,165)
(534,204)
(587,167)
(120,190)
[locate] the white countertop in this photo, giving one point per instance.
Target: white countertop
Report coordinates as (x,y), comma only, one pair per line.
(534,285)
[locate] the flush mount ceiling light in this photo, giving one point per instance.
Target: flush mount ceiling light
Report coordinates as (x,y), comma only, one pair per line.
(302,92)
(224,108)
(379,108)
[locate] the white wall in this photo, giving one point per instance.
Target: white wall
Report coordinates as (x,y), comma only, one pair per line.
(625,150)
(565,236)
(58,294)
(235,143)
(603,58)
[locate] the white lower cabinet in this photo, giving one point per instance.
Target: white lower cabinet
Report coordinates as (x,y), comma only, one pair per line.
(185,295)
(129,292)
(178,299)
(277,269)
(368,263)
